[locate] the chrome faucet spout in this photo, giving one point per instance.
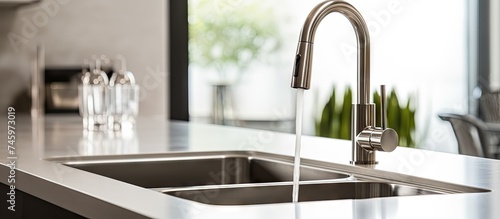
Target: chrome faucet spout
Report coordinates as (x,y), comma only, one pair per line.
(303,60)
(366,137)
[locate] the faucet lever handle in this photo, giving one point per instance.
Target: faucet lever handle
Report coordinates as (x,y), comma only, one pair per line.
(383,107)
(379,139)
(376,139)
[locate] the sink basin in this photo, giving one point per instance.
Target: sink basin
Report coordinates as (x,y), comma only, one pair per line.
(197,169)
(248,177)
(308,192)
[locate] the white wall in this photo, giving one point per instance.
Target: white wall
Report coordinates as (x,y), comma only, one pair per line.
(72,30)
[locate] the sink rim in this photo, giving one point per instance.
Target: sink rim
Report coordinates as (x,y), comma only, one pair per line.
(359,171)
(203,189)
(150,171)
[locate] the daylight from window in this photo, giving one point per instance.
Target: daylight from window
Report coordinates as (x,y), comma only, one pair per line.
(250,46)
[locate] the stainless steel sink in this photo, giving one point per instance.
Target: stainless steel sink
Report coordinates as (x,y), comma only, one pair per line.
(267,194)
(247,177)
(181,170)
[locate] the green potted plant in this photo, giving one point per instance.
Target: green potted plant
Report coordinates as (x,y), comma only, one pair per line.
(335,121)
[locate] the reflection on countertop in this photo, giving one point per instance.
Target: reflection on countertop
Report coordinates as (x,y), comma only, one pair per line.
(107,143)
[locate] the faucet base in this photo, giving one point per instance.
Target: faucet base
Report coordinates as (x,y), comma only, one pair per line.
(363,162)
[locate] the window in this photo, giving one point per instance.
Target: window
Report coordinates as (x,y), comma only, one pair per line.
(414,49)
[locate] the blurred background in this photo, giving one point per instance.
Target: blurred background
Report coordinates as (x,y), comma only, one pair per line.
(433,60)
(229,62)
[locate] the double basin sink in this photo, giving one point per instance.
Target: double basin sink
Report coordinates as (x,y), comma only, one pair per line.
(248,177)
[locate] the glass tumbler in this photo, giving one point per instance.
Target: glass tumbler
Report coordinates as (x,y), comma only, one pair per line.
(123,106)
(93,100)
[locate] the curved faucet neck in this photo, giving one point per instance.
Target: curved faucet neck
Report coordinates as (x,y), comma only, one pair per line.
(302,74)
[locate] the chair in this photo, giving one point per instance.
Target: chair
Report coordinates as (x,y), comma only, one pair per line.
(473,135)
(489,106)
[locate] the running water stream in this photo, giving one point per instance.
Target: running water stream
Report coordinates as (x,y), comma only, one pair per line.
(298,133)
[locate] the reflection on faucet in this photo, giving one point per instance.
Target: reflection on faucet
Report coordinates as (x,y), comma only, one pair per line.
(368,138)
(108,143)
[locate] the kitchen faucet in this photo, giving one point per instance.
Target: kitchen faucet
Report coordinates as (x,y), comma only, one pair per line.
(366,138)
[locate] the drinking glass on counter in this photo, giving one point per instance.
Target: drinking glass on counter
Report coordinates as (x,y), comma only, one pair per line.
(112,104)
(123,98)
(123,106)
(93,96)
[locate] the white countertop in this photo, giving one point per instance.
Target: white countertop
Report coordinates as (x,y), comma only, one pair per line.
(96,196)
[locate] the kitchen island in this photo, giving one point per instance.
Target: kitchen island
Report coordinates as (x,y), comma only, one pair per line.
(94,196)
